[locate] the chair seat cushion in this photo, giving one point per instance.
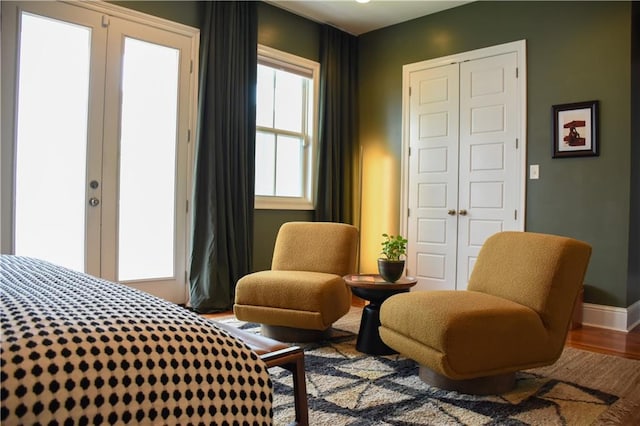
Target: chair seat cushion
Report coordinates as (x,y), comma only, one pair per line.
(311,300)
(464,334)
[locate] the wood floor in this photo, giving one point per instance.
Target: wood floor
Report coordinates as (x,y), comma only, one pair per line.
(587,338)
(605,341)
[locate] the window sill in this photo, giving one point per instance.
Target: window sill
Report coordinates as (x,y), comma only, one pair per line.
(282,203)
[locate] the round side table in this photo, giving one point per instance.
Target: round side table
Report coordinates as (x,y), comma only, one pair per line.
(375,290)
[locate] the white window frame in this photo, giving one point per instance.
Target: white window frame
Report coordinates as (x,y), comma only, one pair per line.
(288,62)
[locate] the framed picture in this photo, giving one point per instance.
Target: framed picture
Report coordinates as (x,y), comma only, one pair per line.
(575,129)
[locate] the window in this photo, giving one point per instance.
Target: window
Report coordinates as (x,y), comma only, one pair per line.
(286,130)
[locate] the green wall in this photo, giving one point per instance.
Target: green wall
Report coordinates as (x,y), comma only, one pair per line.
(185,12)
(576,51)
(290,33)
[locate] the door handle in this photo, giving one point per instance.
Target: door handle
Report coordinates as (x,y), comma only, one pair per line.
(451,212)
(462,212)
(93,201)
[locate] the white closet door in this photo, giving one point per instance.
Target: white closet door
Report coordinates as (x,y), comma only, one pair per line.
(489,167)
(465,168)
(433,184)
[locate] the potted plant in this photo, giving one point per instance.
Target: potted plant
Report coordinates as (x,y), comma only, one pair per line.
(391,266)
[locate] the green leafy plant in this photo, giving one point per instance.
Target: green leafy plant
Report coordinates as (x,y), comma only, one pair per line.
(393,246)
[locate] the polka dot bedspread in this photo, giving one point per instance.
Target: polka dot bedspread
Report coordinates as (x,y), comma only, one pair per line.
(80,350)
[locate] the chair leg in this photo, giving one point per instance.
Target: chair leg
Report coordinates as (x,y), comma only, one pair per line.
(292,359)
(300,390)
(490,385)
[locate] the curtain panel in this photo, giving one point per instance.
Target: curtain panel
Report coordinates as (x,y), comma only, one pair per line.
(338,126)
(223,199)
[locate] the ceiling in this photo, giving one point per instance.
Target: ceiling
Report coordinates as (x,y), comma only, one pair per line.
(359,18)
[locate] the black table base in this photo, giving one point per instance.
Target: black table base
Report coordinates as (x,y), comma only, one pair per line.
(369,340)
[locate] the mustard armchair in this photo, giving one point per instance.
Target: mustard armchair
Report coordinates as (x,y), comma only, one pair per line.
(304,293)
(514,315)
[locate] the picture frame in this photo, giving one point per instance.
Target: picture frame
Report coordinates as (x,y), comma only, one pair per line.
(575,129)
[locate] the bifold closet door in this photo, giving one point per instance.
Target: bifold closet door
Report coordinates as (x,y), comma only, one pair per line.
(489,182)
(433,178)
(463,167)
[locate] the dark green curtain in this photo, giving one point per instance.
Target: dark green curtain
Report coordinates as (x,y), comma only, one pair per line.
(225,155)
(338,132)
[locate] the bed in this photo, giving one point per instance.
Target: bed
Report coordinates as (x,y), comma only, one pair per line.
(76,349)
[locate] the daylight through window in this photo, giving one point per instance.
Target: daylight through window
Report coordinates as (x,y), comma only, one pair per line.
(286,129)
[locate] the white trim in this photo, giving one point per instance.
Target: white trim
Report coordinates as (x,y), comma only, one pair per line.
(517,46)
(633,315)
(282,203)
(124,12)
(292,61)
(611,317)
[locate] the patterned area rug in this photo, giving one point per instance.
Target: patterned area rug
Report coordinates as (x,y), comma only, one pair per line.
(346,387)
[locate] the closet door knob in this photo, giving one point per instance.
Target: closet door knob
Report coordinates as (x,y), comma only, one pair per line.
(451,212)
(462,212)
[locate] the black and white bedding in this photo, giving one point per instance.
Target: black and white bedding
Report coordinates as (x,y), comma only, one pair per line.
(80,350)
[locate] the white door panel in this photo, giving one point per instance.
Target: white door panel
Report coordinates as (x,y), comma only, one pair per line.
(489,170)
(146,125)
(464,167)
(57,159)
(433,183)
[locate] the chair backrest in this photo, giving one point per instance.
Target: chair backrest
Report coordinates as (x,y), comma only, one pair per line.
(317,247)
(541,271)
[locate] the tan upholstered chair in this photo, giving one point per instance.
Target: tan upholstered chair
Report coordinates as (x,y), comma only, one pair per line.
(514,315)
(303,293)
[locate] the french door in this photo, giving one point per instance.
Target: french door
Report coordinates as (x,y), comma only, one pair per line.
(103,106)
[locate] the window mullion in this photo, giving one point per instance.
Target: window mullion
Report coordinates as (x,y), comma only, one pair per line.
(305,152)
(281,132)
(273,105)
(275,165)
(305,113)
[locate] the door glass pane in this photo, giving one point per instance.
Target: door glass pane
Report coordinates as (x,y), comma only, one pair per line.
(147,161)
(289,174)
(53,93)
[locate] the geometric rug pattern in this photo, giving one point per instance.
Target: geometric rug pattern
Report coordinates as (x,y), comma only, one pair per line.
(347,387)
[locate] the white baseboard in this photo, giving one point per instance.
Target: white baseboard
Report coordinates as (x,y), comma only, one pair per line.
(611,317)
(633,315)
